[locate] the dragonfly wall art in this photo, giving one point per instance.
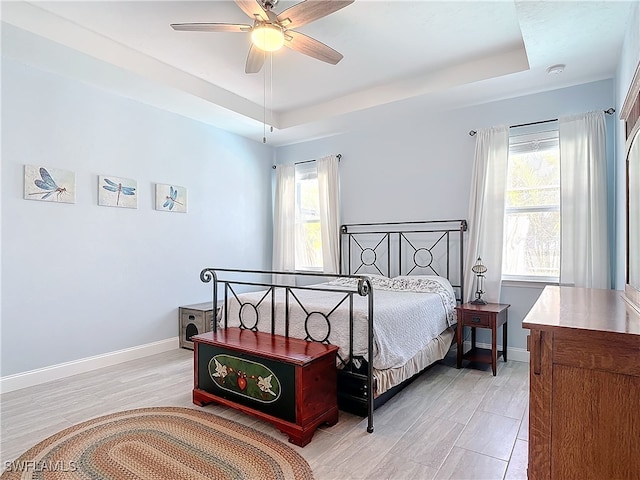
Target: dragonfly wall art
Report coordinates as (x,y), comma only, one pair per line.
(171,198)
(49,184)
(117,192)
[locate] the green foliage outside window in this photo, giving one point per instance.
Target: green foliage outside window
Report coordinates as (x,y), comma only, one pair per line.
(308,235)
(532,223)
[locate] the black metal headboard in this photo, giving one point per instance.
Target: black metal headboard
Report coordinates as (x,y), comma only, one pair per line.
(431,247)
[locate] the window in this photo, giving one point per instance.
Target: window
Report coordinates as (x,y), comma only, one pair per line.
(308,238)
(532,208)
(306,228)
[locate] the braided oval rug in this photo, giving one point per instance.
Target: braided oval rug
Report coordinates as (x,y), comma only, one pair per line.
(162,443)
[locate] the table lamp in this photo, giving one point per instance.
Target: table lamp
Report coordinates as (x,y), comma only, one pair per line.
(479,269)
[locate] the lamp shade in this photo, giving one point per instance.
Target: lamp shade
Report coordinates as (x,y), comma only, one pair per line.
(479,268)
(267,37)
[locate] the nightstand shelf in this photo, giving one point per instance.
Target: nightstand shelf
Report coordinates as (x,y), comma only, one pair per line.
(479,355)
(489,316)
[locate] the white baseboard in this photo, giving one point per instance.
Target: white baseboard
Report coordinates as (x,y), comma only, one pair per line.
(516,354)
(17,381)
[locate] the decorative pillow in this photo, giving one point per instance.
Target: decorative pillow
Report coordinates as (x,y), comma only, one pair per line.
(376,279)
(421,280)
(374,276)
(418,276)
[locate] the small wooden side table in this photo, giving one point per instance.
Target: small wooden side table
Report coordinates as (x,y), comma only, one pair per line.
(491,316)
(194,320)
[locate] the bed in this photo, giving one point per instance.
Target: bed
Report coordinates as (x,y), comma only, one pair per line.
(390,311)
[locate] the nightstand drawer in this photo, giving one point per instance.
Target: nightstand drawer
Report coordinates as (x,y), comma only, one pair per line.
(476,319)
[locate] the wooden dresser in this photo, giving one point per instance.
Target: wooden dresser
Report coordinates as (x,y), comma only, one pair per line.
(584,404)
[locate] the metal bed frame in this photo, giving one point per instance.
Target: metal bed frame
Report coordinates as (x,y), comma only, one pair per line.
(366,243)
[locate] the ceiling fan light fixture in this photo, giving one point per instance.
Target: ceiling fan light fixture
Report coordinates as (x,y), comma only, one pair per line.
(268,37)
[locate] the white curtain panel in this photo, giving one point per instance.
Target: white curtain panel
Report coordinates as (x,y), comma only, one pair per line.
(284,221)
(329,192)
(486,211)
(584,251)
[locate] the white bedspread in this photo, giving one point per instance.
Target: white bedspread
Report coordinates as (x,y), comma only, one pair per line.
(408,313)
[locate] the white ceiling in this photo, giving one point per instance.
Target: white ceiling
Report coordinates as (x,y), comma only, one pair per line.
(438,54)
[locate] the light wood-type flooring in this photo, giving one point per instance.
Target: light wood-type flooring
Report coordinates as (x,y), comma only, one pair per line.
(449,423)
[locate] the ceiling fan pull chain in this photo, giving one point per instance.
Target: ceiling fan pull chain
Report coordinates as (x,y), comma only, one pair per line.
(264,105)
(271,94)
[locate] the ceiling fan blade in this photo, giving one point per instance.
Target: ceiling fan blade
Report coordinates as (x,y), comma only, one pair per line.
(210,27)
(255,60)
(309,46)
(253,9)
(310,10)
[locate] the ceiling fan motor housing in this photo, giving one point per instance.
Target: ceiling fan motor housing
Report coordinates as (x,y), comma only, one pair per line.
(268,4)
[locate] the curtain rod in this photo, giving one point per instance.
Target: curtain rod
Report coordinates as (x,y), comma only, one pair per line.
(609,111)
(308,161)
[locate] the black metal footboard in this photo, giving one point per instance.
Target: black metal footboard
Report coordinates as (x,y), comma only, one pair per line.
(271,305)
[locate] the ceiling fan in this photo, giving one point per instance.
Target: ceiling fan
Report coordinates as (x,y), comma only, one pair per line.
(270,31)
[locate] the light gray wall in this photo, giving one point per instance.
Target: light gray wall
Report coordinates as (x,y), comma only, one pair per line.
(80,279)
(418,166)
(629,58)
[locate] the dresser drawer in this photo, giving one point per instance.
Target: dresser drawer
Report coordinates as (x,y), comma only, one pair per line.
(476,319)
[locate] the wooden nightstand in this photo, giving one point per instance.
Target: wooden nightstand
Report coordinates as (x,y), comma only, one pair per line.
(492,316)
